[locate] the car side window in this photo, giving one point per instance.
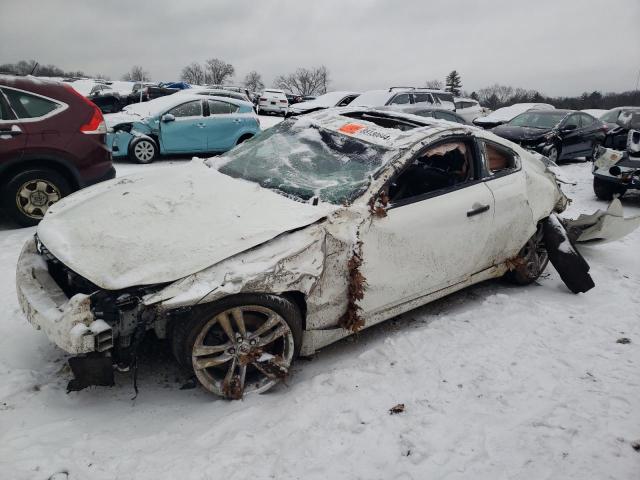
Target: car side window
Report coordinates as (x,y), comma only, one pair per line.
(446,116)
(497,160)
(440,167)
(422,98)
(217,107)
(586,120)
(401,99)
(572,120)
(346,101)
(29,106)
(189,109)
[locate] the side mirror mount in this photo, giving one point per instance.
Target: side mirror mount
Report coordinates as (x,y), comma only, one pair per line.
(167,117)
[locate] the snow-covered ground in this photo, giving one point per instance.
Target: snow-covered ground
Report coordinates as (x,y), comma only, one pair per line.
(498,382)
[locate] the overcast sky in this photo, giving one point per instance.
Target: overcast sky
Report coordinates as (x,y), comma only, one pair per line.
(560,47)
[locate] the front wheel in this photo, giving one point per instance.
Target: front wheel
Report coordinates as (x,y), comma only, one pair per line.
(142,150)
(531,261)
(28,195)
(241,344)
(554,154)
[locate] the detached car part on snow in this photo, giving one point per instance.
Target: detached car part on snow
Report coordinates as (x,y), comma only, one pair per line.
(323,225)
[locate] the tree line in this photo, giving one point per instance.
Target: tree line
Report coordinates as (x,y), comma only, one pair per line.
(496,96)
(316,81)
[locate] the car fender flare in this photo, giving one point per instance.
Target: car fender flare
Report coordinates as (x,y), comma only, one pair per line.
(59,164)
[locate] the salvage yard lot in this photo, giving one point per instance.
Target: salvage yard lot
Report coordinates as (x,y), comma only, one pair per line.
(497,381)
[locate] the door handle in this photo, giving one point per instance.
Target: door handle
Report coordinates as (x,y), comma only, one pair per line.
(201,125)
(477,209)
(13,131)
(237,120)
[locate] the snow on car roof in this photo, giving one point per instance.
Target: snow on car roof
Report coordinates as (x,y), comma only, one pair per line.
(505,114)
(374,98)
(329,99)
(158,105)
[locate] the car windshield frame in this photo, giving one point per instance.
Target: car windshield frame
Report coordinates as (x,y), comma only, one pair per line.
(304,161)
(524,120)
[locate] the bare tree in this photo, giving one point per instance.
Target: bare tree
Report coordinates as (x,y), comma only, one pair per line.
(495,96)
(217,71)
(305,81)
(194,73)
(253,81)
(435,84)
(136,74)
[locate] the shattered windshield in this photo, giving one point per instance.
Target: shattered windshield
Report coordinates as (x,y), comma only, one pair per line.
(302,160)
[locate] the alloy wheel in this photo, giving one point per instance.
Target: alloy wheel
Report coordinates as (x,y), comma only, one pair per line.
(245,349)
(34,197)
(144,151)
(534,254)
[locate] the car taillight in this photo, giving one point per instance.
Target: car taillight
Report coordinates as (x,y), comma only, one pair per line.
(283,101)
(96,124)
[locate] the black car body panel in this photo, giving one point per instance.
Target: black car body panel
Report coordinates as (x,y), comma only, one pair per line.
(572,134)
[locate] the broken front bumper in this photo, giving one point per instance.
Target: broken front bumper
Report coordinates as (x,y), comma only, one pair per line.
(68,322)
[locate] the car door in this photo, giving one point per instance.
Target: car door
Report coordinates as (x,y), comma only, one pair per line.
(571,135)
(433,235)
(223,125)
(592,133)
(182,129)
(513,218)
(13,136)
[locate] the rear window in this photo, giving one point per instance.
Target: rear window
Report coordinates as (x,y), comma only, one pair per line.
(29,106)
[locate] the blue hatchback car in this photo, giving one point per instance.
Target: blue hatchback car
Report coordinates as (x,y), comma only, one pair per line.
(182,123)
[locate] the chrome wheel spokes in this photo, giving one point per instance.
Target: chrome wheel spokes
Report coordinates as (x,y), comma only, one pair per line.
(241,350)
(36,196)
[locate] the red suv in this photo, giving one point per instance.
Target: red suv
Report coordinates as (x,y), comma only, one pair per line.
(52,142)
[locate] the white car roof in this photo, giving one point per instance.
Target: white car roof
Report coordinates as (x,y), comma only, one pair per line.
(329,99)
(506,114)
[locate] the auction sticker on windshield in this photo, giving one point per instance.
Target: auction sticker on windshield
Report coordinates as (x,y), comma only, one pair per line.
(351,128)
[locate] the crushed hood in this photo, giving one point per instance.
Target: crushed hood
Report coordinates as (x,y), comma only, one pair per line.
(162,225)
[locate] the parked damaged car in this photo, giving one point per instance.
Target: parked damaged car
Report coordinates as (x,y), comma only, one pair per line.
(616,171)
(179,124)
(323,225)
(557,134)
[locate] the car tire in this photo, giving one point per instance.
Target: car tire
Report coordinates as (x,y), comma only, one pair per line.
(27,195)
(607,190)
(554,154)
(531,261)
(143,150)
(230,363)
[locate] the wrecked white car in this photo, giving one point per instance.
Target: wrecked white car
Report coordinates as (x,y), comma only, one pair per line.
(321,226)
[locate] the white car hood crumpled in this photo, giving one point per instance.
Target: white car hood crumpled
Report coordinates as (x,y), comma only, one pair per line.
(163,225)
